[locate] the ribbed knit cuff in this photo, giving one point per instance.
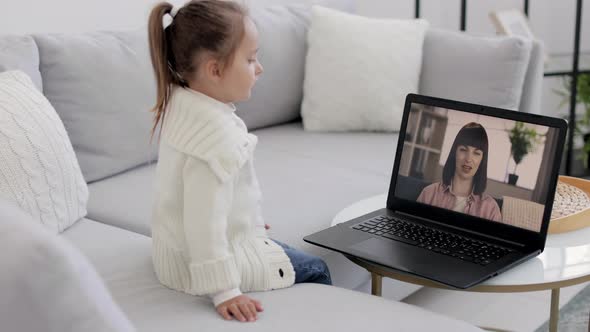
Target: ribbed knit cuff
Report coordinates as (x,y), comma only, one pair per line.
(223,296)
(214,276)
(282,273)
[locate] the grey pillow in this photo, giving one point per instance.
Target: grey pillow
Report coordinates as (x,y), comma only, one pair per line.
(20,53)
(102,86)
(277,96)
(483,70)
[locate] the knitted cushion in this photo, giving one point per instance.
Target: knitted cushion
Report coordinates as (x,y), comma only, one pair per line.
(38,168)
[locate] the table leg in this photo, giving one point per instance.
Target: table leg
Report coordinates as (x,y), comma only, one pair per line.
(376,283)
(554,314)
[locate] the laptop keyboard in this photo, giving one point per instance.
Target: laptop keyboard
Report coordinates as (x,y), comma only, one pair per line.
(441,242)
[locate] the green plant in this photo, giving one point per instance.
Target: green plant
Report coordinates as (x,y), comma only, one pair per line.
(523,140)
(583,97)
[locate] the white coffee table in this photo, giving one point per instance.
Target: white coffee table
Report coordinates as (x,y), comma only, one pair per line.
(565,262)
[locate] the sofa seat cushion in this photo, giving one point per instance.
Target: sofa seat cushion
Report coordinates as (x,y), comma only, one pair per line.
(125,201)
(126,266)
(305,178)
(363,152)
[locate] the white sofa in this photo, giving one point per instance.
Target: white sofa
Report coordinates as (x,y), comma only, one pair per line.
(101,85)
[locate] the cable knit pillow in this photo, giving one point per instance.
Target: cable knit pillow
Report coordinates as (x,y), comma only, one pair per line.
(359,70)
(38,167)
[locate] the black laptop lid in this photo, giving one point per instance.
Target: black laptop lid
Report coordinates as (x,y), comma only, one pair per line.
(476,167)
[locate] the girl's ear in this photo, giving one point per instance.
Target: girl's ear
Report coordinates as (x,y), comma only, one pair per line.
(213,69)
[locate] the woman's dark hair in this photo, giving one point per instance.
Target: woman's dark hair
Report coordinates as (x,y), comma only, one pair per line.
(472,134)
(200,26)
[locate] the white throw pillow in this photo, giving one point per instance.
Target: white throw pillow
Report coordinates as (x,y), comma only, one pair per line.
(38,168)
(359,70)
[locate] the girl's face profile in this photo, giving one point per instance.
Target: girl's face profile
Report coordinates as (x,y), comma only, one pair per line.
(240,77)
(467,160)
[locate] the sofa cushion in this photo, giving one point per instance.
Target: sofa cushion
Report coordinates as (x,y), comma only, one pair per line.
(336,170)
(20,53)
(481,70)
(358,71)
(46,284)
(126,266)
(359,164)
(327,172)
(360,151)
(125,201)
(276,97)
(102,86)
(38,167)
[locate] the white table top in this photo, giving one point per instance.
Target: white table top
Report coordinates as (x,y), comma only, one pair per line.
(566,256)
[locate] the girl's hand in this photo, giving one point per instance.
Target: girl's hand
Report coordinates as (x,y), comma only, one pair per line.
(266,226)
(240,307)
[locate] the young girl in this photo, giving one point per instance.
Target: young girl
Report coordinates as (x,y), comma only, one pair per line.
(209,237)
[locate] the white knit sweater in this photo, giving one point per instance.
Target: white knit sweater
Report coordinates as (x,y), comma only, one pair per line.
(208,232)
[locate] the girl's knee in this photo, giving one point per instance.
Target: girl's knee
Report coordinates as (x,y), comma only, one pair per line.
(323,266)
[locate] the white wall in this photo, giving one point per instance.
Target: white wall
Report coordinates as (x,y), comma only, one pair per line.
(552,21)
(39,16)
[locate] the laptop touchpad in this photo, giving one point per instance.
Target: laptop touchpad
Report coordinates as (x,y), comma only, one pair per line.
(384,251)
(373,246)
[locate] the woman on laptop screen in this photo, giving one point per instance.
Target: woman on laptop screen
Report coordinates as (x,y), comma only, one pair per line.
(465,176)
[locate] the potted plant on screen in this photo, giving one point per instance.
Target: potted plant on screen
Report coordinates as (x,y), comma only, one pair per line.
(523,141)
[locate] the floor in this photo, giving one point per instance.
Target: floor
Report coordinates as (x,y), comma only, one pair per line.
(513,312)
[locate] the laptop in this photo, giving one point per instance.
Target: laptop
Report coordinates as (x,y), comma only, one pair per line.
(470,194)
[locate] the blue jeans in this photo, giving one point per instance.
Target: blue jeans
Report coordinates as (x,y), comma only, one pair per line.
(308,268)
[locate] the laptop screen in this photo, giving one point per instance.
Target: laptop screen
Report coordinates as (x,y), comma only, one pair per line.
(492,168)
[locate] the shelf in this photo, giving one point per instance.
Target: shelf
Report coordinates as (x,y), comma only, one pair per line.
(422,147)
(561,64)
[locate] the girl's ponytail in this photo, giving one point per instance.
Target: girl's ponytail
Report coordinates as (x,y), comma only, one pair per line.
(160,60)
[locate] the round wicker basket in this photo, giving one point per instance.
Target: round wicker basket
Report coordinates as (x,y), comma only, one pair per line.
(571,205)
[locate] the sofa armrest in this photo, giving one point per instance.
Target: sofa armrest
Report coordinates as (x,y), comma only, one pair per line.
(530,100)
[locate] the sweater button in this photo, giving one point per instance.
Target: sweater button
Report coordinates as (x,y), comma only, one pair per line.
(281,273)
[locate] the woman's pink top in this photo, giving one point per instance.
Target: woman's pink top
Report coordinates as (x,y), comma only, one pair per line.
(441,195)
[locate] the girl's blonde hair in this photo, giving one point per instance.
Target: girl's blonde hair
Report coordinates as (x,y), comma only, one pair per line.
(200,26)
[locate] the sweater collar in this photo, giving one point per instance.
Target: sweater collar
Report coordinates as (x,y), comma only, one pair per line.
(205,100)
(208,129)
